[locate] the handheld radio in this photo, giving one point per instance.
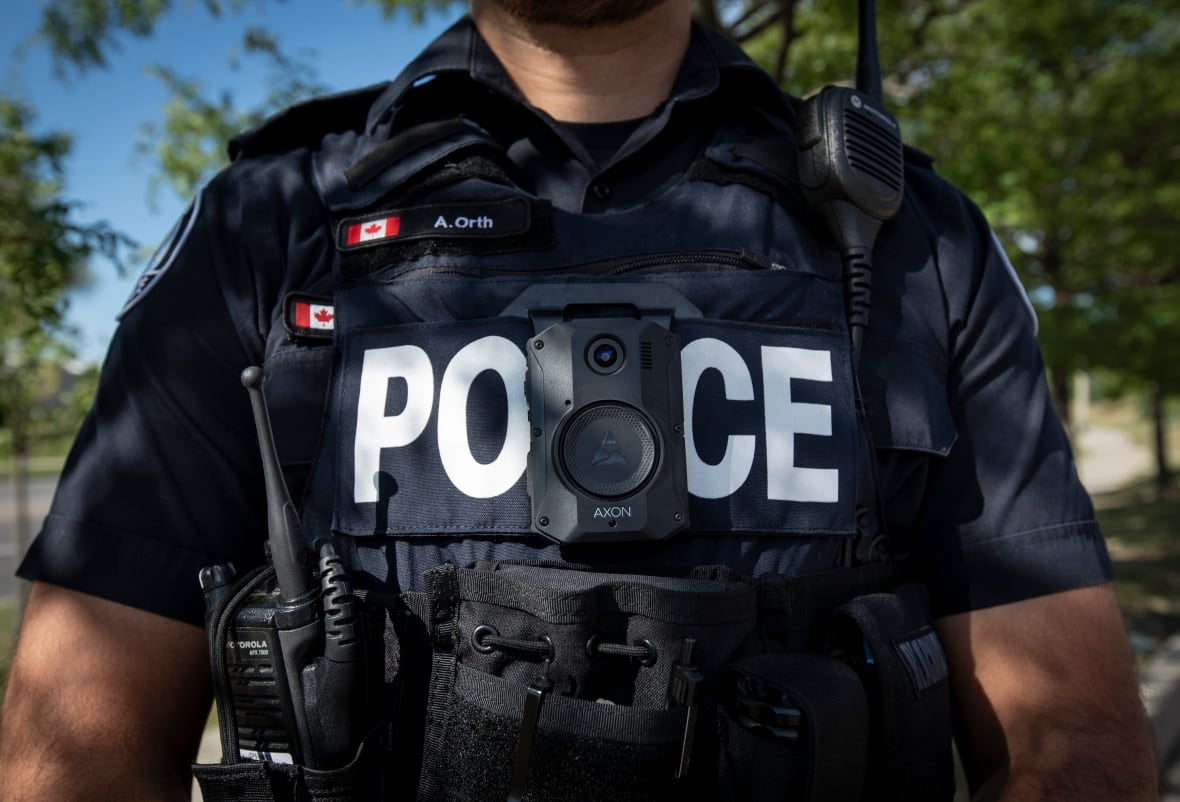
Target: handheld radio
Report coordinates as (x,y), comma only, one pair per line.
(286,641)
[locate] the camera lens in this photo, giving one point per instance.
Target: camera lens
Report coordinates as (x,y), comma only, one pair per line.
(605,355)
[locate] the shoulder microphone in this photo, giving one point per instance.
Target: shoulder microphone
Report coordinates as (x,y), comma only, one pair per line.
(851,166)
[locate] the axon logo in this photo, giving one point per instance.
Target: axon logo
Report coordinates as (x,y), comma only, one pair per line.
(382,425)
(609,453)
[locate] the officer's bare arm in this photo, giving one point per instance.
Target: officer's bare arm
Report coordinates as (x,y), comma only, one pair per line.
(1047,700)
(104,702)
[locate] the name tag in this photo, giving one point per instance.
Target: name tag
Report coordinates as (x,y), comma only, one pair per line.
(488,219)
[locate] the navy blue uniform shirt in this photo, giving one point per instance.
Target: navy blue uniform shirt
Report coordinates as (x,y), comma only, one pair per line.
(978,482)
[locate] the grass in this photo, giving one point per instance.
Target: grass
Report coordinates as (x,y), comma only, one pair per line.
(1143,534)
(38,466)
(7,638)
(1142,528)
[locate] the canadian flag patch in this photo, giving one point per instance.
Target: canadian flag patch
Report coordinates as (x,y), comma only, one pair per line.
(373,230)
(309,317)
(314,316)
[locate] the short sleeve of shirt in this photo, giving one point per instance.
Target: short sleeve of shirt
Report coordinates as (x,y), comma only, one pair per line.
(1004,516)
(163,478)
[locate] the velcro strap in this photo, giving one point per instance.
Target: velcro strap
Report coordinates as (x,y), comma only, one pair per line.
(792,610)
(247,782)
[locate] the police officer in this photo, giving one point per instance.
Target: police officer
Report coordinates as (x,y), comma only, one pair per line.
(590,111)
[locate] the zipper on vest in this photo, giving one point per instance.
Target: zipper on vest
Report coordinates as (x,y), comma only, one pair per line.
(742,260)
(676,261)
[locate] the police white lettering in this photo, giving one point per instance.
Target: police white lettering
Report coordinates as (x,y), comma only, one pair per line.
(374,429)
(785,418)
(724,478)
(612,512)
(468,475)
(482,221)
(441,222)
(785,481)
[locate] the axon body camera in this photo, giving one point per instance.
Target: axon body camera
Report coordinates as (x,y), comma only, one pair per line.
(606,411)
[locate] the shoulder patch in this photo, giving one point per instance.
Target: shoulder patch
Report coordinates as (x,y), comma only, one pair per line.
(308,318)
(164,256)
(306,123)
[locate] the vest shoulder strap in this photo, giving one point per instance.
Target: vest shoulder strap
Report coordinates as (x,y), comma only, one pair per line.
(306,124)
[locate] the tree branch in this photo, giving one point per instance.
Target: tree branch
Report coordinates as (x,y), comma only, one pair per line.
(787,17)
(706,12)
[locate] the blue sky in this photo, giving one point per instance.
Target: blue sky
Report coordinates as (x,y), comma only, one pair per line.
(105,110)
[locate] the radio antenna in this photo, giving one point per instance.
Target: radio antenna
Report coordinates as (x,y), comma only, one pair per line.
(868,59)
(287,546)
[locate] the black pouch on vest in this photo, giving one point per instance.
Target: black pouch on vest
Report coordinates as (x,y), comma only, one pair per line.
(794,726)
(551,683)
(889,640)
(254,708)
(359,781)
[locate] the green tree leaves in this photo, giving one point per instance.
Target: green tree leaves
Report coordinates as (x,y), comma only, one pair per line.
(189,146)
(82,33)
(43,250)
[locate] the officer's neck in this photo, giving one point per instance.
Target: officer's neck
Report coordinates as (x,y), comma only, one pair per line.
(602,74)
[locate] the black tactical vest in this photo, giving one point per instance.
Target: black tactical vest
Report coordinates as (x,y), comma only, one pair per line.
(739,653)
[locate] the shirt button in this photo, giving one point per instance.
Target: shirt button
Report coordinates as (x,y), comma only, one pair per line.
(601,190)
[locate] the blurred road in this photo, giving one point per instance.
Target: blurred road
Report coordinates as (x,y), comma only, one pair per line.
(40,494)
(1108,460)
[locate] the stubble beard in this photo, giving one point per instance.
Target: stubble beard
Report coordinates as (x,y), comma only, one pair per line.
(577,13)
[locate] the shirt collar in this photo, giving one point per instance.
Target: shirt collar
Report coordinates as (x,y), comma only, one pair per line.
(460,50)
